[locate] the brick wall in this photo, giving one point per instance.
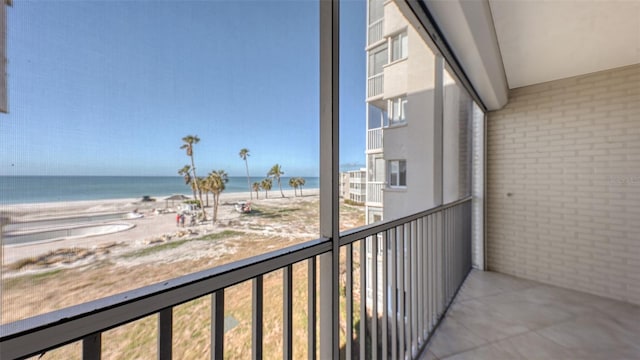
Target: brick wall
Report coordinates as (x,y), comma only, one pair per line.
(563,184)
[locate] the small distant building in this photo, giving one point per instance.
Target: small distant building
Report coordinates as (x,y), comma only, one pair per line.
(358,185)
(344,185)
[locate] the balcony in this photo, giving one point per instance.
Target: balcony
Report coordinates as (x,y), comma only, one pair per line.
(426,258)
(374,192)
(498,316)
(375,31)
(375,86)
(374,139)
(562,206)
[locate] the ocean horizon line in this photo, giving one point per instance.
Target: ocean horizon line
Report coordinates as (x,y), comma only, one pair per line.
(26,189)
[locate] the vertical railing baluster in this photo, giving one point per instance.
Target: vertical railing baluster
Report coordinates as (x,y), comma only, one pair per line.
(428,275)
(311,306)
(165,331)
(92,347)
(425,278)
(394,292)
(363,299)
(452,255)
(432,272)
(420,279)
(438,264)
(414,288)
(408,278)
(217,324)
(349,299)
(447,237)
(374,296)
(385,292)
(447,255)
(257,312)
(287,312)
(457,255)
(401,295)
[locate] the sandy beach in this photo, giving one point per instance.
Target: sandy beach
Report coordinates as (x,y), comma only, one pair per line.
(148,229)
(46,276)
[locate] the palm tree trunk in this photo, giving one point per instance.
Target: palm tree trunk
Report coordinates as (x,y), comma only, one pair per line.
(195,177)
(195,197)
(280,186)
(216,197)
(246,165)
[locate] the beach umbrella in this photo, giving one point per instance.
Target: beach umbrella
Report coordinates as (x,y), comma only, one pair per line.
(173,198)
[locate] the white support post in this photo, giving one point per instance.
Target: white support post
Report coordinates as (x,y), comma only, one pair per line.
(438,133)
(329,179)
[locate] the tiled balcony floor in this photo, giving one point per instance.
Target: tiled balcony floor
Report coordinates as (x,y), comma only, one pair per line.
(497,316)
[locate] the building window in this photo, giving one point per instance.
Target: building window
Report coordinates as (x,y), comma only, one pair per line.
(377,59)
(397,173)
(397,108)
(399,45)
(376,10)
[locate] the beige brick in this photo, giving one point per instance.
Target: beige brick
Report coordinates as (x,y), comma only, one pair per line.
(569,151)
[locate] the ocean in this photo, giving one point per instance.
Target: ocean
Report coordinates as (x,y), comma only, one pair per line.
(40,189)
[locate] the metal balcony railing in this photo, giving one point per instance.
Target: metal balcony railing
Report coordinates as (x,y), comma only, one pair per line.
(375,85)
(375,31)
(374,139)
(426,258)
(374,192)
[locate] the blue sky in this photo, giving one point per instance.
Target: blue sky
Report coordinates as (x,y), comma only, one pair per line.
(110,88)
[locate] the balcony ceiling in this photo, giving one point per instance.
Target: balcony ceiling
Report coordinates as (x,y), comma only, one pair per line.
(548,40)
(505,44)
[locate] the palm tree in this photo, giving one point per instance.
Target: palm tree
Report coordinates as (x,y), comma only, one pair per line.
(189,141)
(293,182)
(186,173)
(216,181)
(203,187)
(256,187)
(276,172)
(266,186)
(244,153)
(301,182)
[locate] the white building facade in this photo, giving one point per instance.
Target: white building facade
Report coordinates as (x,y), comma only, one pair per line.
(419,124)
(357,185)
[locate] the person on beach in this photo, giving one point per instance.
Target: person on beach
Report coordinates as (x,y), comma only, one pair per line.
(177,219)
(182,220)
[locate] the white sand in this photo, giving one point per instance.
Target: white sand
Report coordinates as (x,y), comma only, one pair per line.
(148,227)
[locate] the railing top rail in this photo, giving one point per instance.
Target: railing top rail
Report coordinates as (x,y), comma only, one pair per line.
(376,22)
(57,328)
(362,232)
(53,329)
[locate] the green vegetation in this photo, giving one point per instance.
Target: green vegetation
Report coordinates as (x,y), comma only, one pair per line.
(266,185)
(221,235)
(33,279)
(155,249)
(276,172)
(354,203)
(295,183)
(216,183)
(176,243)
(256,187)
(271,213)
(189,141)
